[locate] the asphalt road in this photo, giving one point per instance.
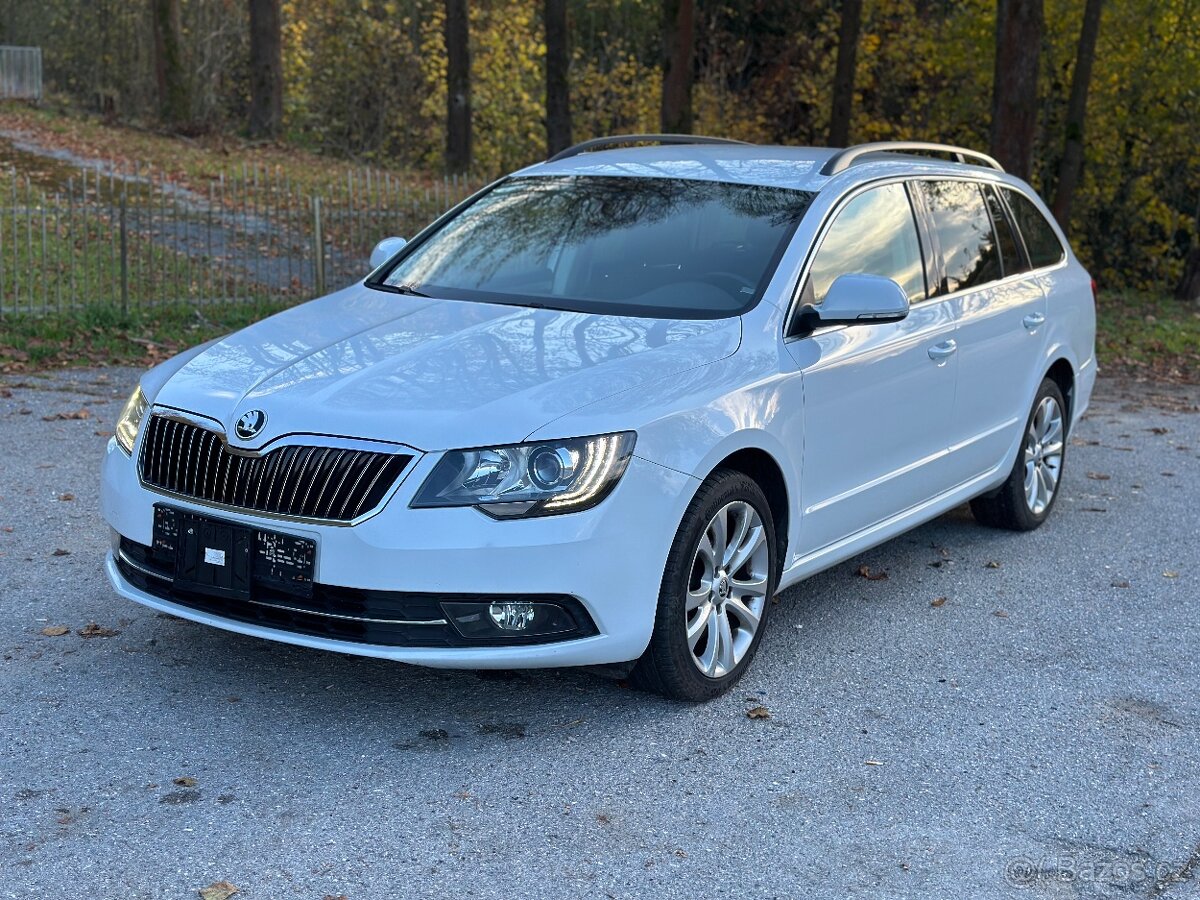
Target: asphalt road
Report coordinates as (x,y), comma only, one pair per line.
(1035,735)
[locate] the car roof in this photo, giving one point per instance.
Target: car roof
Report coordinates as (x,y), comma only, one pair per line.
(797,168)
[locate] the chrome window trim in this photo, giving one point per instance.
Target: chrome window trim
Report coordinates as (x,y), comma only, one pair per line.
(293,439)
(794,304)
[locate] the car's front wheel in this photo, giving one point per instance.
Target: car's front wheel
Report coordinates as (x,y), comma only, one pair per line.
(1026,498)
(716,591)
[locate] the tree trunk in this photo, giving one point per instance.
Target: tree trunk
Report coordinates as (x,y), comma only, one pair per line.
(266,69)
(174,100)
(458,86)
(558,88)
(1189,285)
(843,79)
(679,43)
(1071,166)
(1014,85)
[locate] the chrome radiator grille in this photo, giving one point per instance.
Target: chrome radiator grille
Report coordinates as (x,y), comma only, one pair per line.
(328,483)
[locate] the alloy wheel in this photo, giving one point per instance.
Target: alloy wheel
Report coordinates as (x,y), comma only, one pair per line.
(1043,455)
(727,590)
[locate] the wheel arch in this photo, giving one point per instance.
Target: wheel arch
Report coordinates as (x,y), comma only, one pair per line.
(1062,373)
(760,466)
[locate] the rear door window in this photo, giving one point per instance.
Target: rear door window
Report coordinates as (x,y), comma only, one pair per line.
(873,234)
(970,252)
(1043,244)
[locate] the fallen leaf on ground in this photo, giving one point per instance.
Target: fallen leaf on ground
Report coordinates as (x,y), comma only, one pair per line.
(5,393)
(1098,476)
(991,564)
(81,413)
(1120,583)
(185,781)
(66,497)
(218,890)
(55,630)
(1000,614)
(91,629)
(865,572)
(758,712)
(61,552)
(937,602)
(872,762)
(1170,574)
(1159,430)
(7,529)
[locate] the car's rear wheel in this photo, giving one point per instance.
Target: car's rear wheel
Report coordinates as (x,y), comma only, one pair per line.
(715,594)
(1027,496)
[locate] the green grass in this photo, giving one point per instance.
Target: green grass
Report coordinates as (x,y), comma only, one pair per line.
(1148,336)
(102,335)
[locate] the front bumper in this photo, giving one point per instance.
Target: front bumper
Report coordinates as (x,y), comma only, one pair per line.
(609,560)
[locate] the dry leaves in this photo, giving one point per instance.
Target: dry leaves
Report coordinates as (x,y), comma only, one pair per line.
(55,630)
(1000,614)
(218,890)
(91,630)
(1120,583)
(81,413)
(185,781)
(1170,574)
(865,572)
(991,564)
(5,394)
(64,498)
(937,602)
(1098,476)
(758,712)
(1159,430)
(61,552)
(872,762)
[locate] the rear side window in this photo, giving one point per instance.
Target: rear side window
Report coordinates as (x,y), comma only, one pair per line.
(873,234)
(1010,254)
(1040,240)
(970,254)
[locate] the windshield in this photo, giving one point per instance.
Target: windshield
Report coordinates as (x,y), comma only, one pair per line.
(621,245)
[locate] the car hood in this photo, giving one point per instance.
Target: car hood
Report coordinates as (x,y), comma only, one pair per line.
(432,374)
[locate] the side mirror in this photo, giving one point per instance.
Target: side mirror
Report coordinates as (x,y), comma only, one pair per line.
(859,300)
(385,250)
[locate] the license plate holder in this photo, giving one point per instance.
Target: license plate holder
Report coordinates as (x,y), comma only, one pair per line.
(225,559)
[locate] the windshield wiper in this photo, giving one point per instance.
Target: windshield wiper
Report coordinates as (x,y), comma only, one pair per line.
(406,289)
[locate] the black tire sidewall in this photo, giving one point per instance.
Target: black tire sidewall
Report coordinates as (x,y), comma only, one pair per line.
(669,642)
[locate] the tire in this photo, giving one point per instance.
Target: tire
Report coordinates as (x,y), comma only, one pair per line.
(1026,498)
(711,618)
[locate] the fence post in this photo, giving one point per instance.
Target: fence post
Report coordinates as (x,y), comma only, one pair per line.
(318,248)
(124,259)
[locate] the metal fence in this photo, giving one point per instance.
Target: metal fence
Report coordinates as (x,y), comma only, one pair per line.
(20,73)
(130,237)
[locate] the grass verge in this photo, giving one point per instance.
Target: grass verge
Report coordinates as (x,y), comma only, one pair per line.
(104,335)
(1148,336)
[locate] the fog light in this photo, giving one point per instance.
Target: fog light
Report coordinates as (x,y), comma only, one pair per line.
(512,616)
(499,619)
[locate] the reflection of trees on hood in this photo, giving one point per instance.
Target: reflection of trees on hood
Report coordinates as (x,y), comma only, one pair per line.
(532,215)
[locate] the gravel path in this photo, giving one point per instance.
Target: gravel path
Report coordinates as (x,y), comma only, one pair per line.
(1037,734)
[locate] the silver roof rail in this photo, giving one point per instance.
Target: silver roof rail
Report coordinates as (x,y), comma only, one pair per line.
(616,140)
(843,159)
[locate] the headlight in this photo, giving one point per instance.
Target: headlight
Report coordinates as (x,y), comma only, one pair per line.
(539,479)
(130,420)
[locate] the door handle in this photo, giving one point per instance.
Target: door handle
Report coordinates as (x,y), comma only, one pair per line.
(1033,320)
(943,350)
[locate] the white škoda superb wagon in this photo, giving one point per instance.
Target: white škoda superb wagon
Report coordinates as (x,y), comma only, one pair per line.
(603,410)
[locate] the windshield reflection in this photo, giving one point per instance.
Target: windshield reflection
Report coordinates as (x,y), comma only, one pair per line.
(621,245)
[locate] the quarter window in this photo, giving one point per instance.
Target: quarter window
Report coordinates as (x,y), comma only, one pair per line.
(873,234)
(970,255)
(1043,244)
(1010,255)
